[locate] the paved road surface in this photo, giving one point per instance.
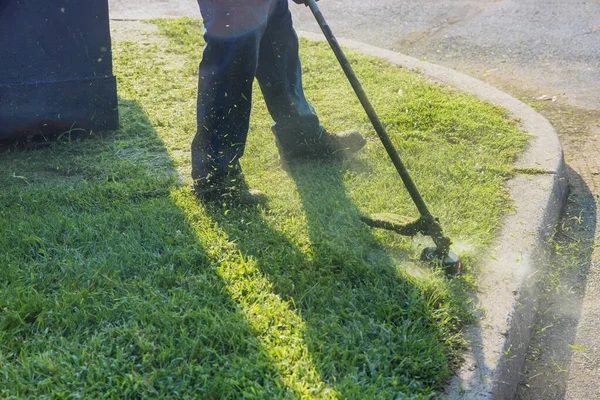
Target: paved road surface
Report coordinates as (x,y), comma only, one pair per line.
(549,45)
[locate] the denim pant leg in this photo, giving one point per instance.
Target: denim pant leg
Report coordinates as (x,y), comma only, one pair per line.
(232,31)
(279,74)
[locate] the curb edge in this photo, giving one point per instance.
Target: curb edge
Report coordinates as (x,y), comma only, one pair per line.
(498,341)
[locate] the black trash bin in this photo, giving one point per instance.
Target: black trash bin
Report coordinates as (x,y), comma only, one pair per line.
(55,67)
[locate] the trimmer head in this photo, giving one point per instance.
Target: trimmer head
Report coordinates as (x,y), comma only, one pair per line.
(440,255)
(449,262)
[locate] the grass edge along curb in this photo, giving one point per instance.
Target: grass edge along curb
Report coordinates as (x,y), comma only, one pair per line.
(493,366)
(117,279)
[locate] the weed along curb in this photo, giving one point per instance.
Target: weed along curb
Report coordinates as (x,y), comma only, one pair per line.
(506,297)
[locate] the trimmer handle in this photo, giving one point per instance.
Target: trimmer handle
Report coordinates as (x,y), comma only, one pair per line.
(435,230)
(368,107)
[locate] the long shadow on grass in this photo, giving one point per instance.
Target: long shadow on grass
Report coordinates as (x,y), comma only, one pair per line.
(107,290)
(369,331)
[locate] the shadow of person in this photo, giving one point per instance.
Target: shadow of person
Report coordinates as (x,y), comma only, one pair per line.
(104,273)
(368,328)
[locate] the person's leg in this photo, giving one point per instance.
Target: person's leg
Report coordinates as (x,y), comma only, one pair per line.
(297,129)
(233,31)
(279,74)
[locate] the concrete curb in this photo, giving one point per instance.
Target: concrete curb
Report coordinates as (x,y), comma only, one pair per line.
(499,339)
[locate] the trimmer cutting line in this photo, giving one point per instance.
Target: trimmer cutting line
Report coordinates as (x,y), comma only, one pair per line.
(426,224)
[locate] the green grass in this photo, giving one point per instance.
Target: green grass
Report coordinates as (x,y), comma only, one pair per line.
(116,282)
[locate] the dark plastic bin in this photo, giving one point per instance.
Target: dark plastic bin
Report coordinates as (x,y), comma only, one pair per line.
(55,67)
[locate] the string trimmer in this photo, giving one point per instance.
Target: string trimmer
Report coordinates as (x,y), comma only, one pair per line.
(426,224)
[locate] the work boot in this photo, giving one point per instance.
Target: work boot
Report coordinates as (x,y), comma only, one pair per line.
(327,145)
(230,191)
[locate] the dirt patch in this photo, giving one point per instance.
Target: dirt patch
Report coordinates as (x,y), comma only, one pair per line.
(578,128)
(579,132)
(133,31)
(144,33)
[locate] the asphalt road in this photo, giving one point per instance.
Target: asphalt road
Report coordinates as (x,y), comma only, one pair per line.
(546,46)
(550,46)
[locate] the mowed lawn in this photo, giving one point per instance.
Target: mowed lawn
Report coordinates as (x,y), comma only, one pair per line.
(116,282)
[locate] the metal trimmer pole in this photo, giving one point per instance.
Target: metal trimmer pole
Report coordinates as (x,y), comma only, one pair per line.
(435,230)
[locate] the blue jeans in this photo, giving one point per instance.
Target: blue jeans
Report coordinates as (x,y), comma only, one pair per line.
(247,39)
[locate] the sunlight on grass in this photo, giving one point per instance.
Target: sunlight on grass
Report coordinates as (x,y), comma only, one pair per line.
(116,282)
(270,318)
